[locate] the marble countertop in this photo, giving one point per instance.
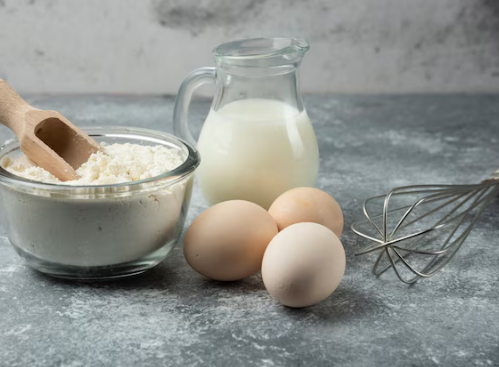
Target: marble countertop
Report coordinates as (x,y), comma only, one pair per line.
(172,316)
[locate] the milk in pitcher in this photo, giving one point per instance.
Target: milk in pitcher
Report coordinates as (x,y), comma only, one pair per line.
(256,149)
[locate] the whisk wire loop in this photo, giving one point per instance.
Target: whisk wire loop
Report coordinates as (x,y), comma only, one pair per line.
(438,210)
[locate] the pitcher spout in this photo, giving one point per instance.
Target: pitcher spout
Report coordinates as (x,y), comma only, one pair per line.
(262,52)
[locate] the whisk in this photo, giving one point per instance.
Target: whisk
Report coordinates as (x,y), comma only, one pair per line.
(421,227)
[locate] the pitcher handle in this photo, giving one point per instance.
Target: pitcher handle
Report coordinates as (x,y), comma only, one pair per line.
(192,81)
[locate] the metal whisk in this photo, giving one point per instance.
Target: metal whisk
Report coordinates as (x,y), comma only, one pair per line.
(422,227)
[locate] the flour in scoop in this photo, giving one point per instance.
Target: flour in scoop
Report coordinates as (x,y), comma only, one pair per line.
(116,163)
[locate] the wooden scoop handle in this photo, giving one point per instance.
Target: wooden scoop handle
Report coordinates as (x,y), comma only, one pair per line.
(12,108)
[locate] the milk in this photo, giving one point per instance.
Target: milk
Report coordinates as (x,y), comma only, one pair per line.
(256,149)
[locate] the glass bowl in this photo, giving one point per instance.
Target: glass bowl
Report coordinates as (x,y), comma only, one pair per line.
(98,232)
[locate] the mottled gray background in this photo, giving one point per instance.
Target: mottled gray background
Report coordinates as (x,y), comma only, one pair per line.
(147,46)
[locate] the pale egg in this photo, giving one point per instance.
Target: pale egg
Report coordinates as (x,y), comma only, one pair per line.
(307,204)
(228,240)
(303,264)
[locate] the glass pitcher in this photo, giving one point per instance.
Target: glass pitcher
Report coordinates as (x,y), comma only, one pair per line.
(257,141)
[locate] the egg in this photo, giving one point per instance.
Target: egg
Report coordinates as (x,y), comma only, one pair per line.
(303,264)
(227,241)
(307,204)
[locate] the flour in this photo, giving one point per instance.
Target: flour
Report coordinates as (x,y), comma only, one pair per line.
(67,228)
(116,163)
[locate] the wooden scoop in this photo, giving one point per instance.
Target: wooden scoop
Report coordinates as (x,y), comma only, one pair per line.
(46,137)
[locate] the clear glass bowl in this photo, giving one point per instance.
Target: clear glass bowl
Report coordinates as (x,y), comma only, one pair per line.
(98,232)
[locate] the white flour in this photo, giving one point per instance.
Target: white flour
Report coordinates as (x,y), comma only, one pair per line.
(85,232)
(117,163)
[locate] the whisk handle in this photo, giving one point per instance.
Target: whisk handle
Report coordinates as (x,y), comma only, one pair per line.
(493,177)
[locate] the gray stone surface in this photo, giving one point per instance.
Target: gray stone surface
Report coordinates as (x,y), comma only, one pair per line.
(173,316)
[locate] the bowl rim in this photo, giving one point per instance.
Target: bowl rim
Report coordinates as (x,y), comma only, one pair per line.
(178,174)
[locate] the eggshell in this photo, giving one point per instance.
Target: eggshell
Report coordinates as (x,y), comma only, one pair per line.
(307,204)
(228,240)
(303,264)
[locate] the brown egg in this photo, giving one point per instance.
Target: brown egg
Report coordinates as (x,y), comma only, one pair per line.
(228,240)
(307,204)
(303,264)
